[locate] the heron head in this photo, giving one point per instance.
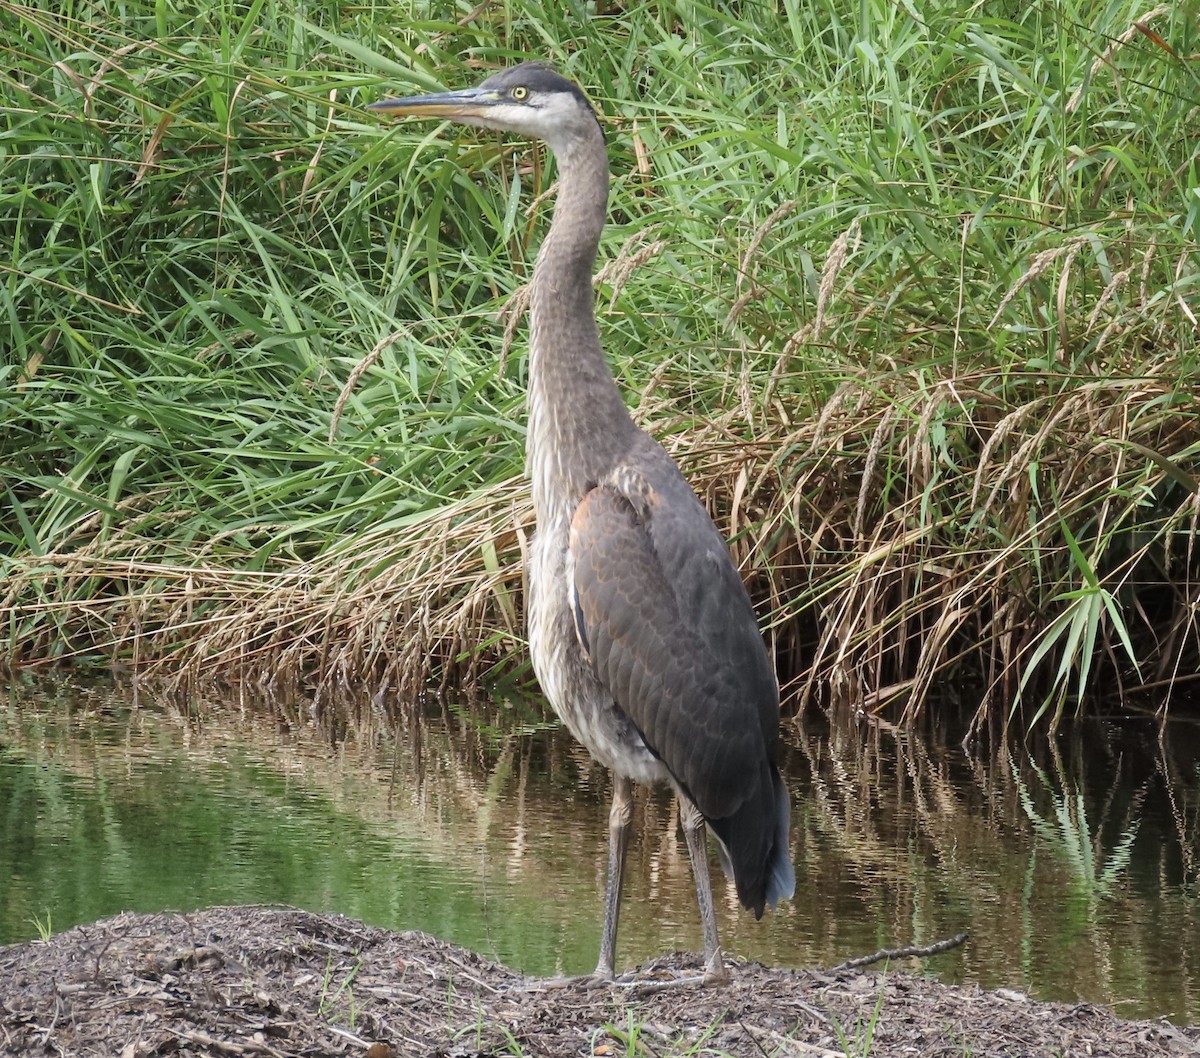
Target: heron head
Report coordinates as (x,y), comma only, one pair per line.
(529,99)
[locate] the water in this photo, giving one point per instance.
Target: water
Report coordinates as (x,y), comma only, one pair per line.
(1077,875)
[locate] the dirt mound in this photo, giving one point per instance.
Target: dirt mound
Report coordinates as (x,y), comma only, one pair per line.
(271,981)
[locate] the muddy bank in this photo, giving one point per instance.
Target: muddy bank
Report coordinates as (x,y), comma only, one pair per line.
(270,981)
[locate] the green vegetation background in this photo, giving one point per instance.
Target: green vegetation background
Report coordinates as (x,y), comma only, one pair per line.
(909,288)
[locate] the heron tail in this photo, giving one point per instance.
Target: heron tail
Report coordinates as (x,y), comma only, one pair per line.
(781,875)
(753,845)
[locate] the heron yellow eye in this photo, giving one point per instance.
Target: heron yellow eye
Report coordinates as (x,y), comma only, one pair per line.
(520,92)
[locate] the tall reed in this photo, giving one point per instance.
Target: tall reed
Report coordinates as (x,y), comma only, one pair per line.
(910,290)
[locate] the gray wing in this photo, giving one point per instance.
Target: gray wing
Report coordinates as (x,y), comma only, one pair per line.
(668,628)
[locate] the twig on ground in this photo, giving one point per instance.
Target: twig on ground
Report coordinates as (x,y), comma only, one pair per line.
(910,952)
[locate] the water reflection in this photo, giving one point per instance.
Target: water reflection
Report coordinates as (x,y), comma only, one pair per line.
(481,823)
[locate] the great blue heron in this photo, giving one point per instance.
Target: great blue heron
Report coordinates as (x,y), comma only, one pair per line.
(641,632)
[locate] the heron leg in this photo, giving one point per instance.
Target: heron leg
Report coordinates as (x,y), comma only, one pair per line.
(696,834)
(620,815)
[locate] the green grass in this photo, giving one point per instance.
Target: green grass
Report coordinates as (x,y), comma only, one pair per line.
(44,926)
(910,290)
(857,1044)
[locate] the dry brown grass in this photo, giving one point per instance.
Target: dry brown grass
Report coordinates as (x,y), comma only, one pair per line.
(923,537)
(910,537)
(435,598)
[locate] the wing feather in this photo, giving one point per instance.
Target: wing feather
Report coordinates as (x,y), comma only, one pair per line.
(671,644)
(668,629)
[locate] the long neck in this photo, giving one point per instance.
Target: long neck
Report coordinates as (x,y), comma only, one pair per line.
(578,424)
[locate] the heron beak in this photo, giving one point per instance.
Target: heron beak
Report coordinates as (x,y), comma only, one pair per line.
(467,103)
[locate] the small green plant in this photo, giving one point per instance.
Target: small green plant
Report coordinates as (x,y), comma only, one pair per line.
(43,926)
(628,1036)
(484,1030)
(859,1045)
(329,999)
(1073,635)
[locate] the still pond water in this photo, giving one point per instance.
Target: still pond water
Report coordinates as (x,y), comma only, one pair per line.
(1077,875)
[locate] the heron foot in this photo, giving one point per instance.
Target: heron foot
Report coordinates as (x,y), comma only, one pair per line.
(714,976)
(670,984)
(554,984)
(596,979)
